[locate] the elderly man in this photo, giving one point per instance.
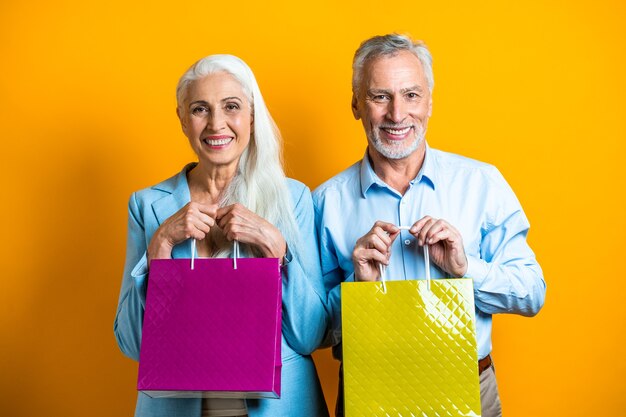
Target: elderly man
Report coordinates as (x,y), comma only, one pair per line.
(462,209)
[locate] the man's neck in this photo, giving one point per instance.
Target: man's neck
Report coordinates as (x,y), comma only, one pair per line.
(397,173)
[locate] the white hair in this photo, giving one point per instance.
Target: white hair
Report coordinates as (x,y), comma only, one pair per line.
(260,183)
(390,45)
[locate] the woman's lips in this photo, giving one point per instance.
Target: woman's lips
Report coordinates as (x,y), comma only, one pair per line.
(217,141)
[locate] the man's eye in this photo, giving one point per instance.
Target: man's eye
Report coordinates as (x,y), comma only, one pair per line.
(412,96)
(380,97)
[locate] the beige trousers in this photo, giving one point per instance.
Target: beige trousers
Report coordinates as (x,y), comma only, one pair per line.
(489,397)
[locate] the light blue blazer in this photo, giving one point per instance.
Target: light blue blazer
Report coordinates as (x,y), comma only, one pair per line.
(304,312)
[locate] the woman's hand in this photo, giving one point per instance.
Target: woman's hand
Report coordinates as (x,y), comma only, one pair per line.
(239,223)
(194,220)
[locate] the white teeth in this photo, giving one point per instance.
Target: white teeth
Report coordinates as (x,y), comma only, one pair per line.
(397,131)
(217,142)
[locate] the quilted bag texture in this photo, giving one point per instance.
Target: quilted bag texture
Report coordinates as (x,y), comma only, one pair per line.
(212,331)
(410,350)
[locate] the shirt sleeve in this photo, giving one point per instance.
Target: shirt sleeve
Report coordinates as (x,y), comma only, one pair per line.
(333,275)
(507,277)
(130,308)
(305,315)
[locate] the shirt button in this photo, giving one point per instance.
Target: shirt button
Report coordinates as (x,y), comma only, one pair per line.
(407,242)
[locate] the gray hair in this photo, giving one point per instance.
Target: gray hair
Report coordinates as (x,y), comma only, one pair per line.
(260,183)
(390,45)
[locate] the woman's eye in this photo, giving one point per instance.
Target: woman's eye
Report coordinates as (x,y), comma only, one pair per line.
(199,110)
(232,106)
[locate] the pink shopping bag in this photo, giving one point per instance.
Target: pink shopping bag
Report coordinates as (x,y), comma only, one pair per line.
(212,328)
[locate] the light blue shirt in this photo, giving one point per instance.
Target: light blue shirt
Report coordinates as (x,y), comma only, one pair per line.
(472,196)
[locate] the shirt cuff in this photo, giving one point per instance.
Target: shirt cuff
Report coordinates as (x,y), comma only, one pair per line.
(476,270)
(140,275)
(288,257)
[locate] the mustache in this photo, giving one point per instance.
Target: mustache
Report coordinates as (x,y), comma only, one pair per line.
(394,126)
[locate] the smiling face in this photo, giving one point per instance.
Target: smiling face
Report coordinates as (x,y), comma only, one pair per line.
(216,117)
(394,104)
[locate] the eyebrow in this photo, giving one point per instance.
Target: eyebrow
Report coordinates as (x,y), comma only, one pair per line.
(413,88)
(231,98)
(222,100)
(376,91)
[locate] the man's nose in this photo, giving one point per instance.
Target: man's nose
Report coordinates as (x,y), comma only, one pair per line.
(397,110)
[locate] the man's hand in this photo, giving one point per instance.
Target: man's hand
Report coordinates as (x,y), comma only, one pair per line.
(372,249)
(445,244)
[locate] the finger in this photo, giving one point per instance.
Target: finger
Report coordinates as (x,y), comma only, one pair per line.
(222,211)
(192,231)
(382,235)
(197,234)
(387,227)
(432,228)
(206,219)
(230,236)
(234,232)
(236,209)
(378,243)
(424,230)
(196,207)
(393,237)
(234,227)
(232,219)
(208,209)
(417,226)
(194,218)
(442,226)
(439,236)
(203,226)
(447,233)
(364,256)
(224,220)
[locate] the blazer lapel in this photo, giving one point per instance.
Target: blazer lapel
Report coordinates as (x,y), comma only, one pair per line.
(177,196)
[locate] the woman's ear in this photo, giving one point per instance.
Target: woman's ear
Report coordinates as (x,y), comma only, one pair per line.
(181,118)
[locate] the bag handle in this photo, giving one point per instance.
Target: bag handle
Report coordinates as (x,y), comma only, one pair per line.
(382,268)
(235,253)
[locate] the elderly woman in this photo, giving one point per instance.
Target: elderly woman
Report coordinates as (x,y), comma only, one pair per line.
(236,191)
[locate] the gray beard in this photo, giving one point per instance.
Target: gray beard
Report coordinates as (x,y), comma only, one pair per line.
(397,151)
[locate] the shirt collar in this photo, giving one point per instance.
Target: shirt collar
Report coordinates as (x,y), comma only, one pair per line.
(426,174)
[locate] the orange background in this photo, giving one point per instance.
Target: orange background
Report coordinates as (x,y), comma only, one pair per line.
(87,116)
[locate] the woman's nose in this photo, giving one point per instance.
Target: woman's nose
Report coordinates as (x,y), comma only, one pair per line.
(216,121)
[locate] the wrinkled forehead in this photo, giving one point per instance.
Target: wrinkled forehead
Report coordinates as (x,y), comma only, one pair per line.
(217,85)
(400,70)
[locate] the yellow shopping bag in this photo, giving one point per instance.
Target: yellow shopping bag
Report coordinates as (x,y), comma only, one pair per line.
(409,348)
